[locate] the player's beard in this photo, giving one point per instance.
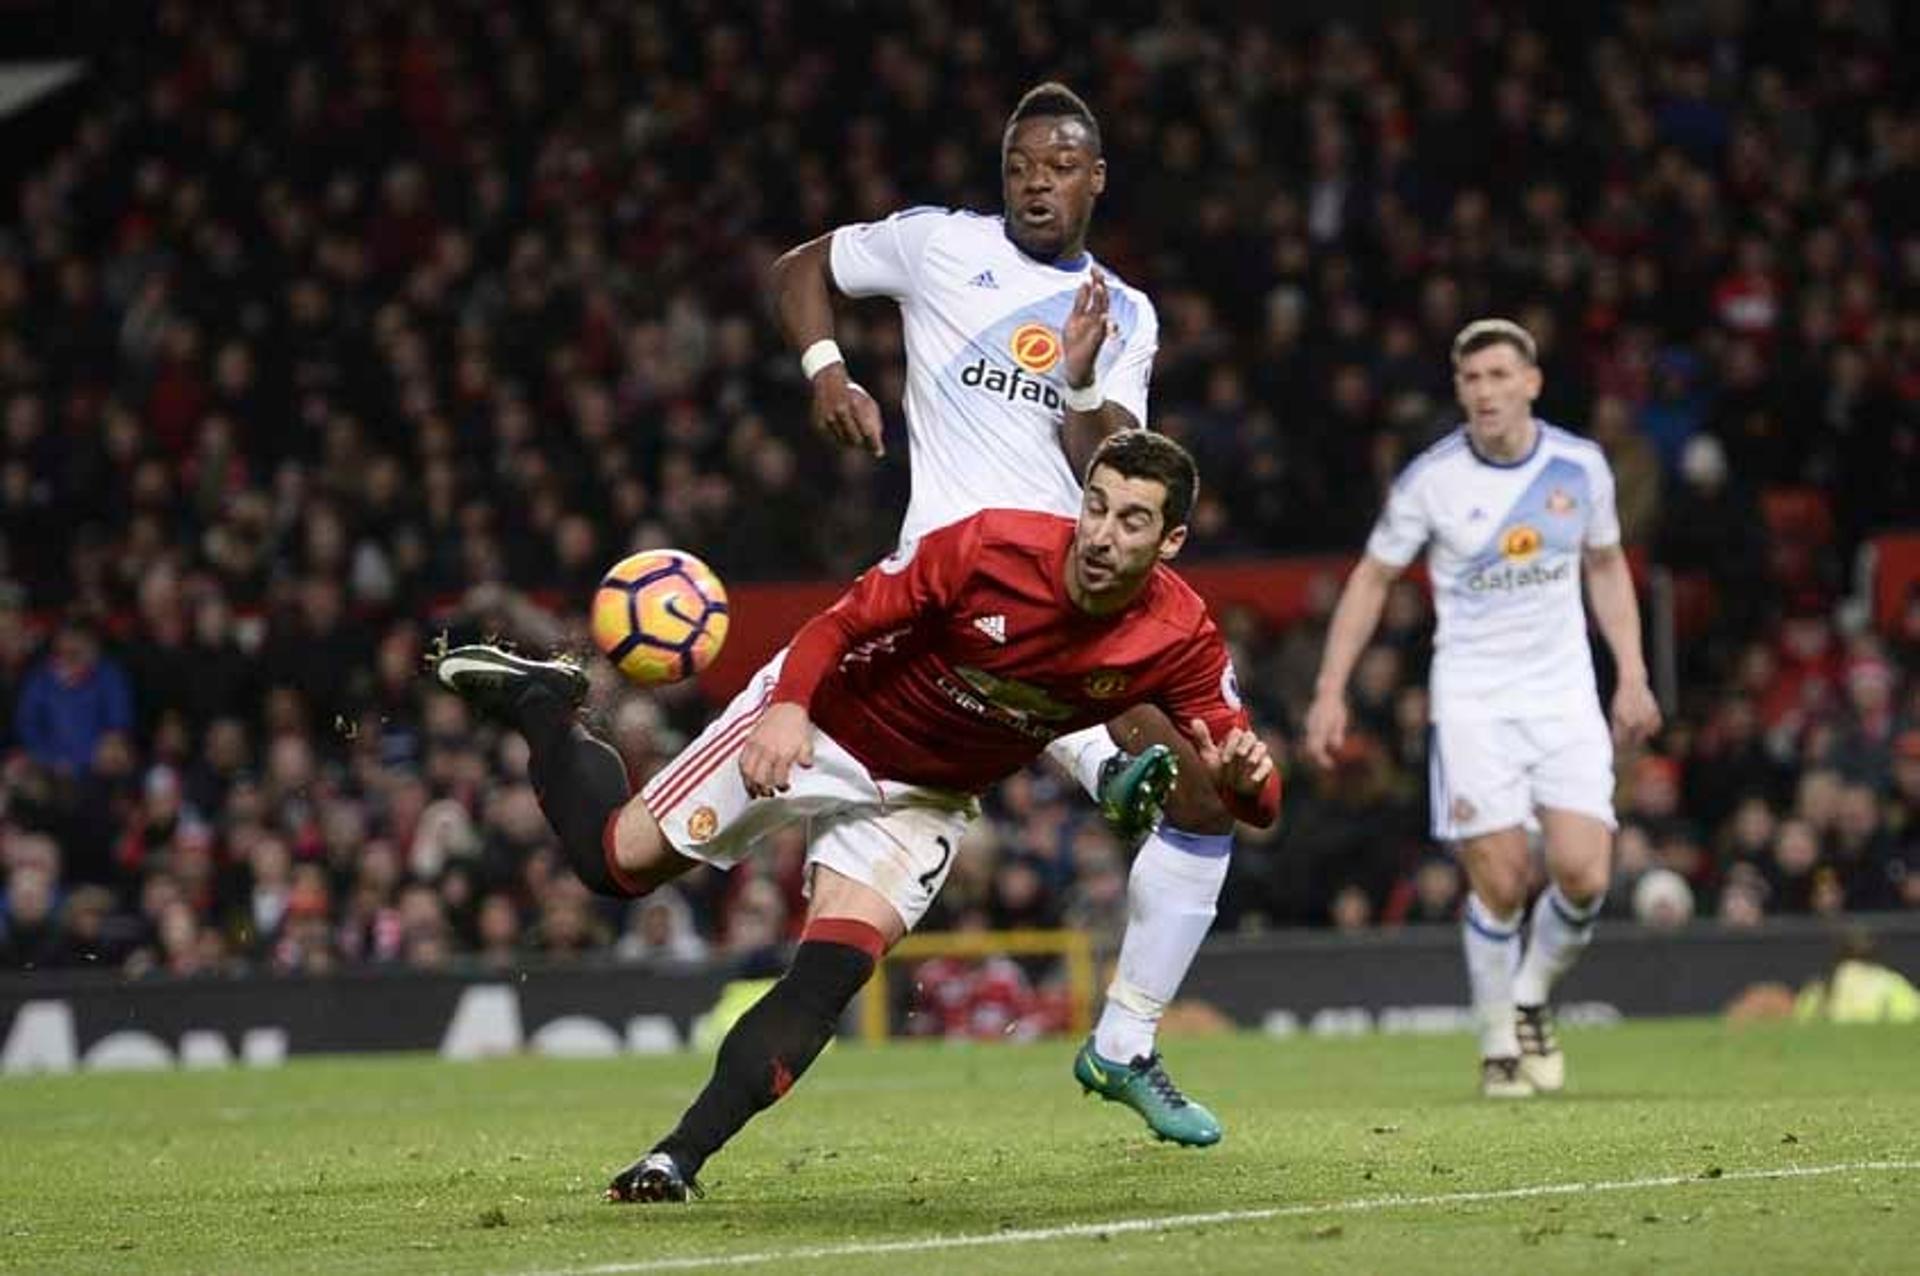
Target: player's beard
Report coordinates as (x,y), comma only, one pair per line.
(1101,580)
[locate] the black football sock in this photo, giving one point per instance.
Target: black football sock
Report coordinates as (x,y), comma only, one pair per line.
(581,783)
(771,1046)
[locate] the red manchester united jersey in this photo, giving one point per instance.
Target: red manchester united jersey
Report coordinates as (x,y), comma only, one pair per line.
(953,663)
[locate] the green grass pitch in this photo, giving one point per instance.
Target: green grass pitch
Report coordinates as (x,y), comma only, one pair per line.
(1717,1150)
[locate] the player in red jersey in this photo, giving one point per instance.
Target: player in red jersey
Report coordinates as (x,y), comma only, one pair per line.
(941,671)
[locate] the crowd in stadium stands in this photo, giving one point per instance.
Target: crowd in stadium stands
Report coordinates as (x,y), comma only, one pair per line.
(327,325)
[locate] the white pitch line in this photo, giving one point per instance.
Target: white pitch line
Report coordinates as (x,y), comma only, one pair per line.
(1358,1205)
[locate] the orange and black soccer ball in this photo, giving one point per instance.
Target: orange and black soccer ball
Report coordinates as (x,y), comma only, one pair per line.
(660,616)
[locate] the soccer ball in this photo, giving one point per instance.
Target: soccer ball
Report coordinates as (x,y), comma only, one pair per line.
(660,616)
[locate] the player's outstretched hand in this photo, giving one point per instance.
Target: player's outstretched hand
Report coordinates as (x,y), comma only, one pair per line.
(845,412)
(781,740)
(1326,730)
(1636,714)
(1239,764)
(1086,330)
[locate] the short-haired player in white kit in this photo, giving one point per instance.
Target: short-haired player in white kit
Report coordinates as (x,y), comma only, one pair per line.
(1023,353)
(1510,510)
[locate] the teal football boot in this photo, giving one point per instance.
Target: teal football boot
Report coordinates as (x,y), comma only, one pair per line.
(1144,1086)
(1134,789)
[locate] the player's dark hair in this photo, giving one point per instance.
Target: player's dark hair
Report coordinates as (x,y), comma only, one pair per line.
(1054,99)
(1482,334)
(1142,454)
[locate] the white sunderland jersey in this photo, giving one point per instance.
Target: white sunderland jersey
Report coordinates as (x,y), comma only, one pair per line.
(1504,544)
(985,384)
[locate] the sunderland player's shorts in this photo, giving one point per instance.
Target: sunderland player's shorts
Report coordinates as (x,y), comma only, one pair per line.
(899,839)
(1487,774)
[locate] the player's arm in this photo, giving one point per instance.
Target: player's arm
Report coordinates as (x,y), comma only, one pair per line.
(919,580)
(1242,770)
(1400,532)
(1609,577)
(1096,410)
(802,286)
(1084,431)
(1205,698)
(1355,618)
(1636,714)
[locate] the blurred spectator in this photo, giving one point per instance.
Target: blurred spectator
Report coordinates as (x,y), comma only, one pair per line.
(1432,893)
(1743,900)
(1863,853)
(73,702)
(756,926)
(980,999)
(305,944)
(1864,727)
(31,933)
(1711,526)
(1351,909)
(1795,867)
(16,653)
(1096,901)
(1638,479)
(964,999)
(660,928)
(1860,989)
(1730,763)
(1653,802)
(1020,899)
(499,943)
(1662,899)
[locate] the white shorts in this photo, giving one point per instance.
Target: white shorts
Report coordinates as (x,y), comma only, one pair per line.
(1487,774)
(897,838)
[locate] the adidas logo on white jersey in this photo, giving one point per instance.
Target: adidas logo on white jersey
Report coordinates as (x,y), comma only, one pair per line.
(984,279)
(994,627)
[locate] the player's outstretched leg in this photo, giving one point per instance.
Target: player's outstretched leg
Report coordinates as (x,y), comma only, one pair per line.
(762,1056)
(581,782)
(495,680)
(1172,891)
(1561,927)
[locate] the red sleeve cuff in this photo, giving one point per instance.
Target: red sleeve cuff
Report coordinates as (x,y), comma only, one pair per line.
(1260,811)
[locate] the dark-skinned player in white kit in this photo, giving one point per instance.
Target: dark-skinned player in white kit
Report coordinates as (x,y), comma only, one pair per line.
(1023,353)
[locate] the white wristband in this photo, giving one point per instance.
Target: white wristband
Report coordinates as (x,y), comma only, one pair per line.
(1086,398)
(822,354)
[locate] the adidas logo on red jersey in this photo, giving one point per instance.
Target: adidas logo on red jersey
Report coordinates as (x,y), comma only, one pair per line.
(994,627)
